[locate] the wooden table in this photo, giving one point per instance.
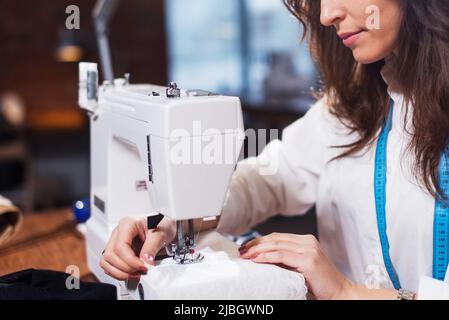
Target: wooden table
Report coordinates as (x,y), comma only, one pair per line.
(47,240)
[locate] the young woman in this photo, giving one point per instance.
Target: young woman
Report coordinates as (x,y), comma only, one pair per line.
(381,218)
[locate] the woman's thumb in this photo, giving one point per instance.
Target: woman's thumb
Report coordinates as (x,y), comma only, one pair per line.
(153,243)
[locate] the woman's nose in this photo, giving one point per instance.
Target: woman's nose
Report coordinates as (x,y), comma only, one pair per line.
(332,11)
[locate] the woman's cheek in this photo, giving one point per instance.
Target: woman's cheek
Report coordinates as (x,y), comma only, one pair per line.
(373,46)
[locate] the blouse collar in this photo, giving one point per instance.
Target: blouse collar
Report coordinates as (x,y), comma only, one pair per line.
(388,75)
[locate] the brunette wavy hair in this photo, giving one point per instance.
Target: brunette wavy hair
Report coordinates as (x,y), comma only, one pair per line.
(358,94)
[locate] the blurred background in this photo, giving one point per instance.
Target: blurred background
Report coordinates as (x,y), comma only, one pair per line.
(248,48)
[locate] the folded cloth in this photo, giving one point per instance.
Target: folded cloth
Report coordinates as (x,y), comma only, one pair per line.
(222,275)
(10,219)
(33,284)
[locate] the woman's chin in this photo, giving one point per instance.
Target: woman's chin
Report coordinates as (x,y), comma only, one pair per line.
(365,56)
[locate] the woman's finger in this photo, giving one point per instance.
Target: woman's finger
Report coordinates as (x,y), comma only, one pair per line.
(306,263)
(122,247)
(296,238)
(289,259)
(115,260)
(274,245)
(114,272)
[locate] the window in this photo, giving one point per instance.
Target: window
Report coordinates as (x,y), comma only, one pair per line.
(241,47)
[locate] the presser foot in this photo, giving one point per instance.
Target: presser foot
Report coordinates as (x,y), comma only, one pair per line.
(189,258)
(186,256)
(183,250)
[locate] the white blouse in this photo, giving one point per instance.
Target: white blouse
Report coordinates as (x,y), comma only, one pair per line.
(343,191)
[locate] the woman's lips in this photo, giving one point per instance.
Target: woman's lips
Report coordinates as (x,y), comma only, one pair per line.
(350,37)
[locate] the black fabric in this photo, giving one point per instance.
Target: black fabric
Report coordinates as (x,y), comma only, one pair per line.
(34,284)
(153,221)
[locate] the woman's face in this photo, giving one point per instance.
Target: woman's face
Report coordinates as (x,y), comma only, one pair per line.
(370,28)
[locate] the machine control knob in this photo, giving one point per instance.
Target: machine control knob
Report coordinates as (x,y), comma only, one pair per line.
(173,91)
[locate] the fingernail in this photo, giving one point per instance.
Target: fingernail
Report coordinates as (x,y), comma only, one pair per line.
(143,270)
(148,257)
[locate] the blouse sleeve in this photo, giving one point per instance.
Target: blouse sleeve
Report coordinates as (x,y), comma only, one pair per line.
(284,177)
(431,289)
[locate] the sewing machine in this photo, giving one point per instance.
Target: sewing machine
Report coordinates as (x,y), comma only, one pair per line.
(150,154)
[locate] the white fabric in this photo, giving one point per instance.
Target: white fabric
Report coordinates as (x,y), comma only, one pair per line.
(222,275)
(343,193)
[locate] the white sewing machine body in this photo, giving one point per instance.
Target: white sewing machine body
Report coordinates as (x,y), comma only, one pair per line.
(136,166)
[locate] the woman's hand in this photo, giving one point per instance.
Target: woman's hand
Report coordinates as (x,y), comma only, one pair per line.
(120,260)
(302,254)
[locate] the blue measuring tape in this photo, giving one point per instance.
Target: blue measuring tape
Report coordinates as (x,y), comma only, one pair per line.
(441,221)
(441,213)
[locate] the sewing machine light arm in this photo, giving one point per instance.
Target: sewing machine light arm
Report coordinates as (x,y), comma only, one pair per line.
(102,13)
